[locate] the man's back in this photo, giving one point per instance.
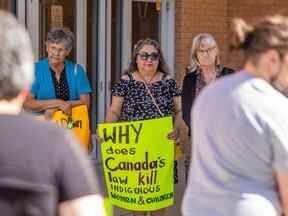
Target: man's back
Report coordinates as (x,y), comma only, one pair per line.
(39,167)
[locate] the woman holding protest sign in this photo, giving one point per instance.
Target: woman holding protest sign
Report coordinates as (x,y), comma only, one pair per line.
(146,91)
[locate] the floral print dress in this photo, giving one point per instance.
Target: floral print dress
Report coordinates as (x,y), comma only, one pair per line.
(138,104)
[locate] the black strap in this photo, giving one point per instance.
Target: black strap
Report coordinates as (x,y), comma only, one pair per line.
(130,76)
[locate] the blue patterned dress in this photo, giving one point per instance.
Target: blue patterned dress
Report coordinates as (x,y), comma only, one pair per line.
(138,105)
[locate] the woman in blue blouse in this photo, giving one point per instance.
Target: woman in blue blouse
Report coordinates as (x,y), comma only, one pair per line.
(59,84)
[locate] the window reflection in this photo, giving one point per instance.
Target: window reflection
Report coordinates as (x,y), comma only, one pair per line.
(55,13)
(6,5)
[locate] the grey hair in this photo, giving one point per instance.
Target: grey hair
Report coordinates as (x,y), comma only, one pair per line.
(196,43)
(16,57)
(61,35)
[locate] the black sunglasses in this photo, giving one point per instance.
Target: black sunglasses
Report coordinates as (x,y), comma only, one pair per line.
(152,56)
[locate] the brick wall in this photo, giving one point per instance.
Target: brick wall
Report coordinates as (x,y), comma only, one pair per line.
(215,16)
(251,10)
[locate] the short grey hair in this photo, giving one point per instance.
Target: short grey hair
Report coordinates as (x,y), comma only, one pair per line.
(16,57)
(61,35)
(202,38)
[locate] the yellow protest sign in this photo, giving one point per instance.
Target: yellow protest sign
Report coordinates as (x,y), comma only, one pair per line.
(138,163)
(78,122)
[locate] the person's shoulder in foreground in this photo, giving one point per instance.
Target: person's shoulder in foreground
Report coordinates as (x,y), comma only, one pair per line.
(50,167)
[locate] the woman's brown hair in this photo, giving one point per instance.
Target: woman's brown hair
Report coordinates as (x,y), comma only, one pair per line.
(270,32)
(162,66)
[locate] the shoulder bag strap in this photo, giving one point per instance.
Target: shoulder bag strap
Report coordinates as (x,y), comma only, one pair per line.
(153,100)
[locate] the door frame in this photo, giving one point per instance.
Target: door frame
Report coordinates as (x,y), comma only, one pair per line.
(28,14)
(104,60)
(167,32)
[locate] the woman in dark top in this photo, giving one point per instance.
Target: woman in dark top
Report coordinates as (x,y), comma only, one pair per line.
(131,99)
(204,69)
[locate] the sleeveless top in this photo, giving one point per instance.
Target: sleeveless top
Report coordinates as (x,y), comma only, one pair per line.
(138,105)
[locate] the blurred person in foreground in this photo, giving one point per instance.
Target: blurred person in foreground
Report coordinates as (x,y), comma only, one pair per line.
(42,169)
(240,130)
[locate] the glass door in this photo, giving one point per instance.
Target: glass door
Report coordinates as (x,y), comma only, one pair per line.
(145,20)
(39,16)
(7,5)
(148,18)
(56,13)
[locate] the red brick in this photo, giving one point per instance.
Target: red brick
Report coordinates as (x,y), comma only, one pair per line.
(215,16)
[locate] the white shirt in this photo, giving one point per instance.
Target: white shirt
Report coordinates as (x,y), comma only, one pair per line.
(240,137)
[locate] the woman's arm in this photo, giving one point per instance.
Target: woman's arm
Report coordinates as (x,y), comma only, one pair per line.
(84,206)
(178,109)
(178,117)
(84,100)
(34,105)
(188,93)
(282,180)
(114,111)
(174,135)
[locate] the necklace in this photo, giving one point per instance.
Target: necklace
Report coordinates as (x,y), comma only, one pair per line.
(210,78)
(147,81)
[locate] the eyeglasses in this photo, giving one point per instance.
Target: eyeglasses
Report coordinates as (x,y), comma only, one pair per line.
(56,50)
(145,56)
(206,51)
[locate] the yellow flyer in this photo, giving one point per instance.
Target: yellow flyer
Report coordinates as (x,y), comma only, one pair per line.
(138,163)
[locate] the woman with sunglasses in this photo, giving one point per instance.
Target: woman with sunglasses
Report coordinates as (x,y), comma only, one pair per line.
(130,99)
(204,68)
